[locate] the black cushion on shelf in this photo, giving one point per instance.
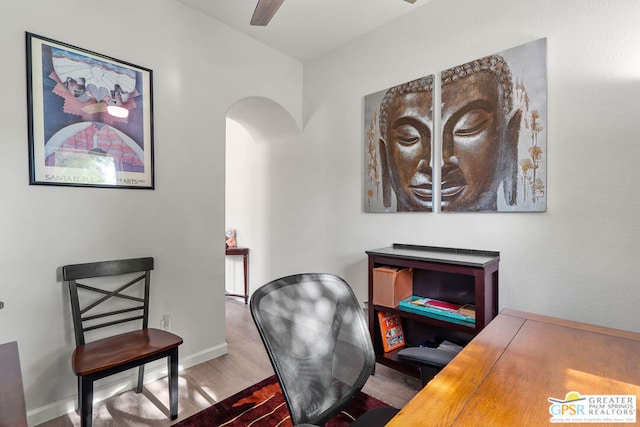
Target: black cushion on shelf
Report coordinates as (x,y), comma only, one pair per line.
(427,356)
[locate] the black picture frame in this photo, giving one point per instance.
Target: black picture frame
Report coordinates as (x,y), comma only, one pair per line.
(90,118)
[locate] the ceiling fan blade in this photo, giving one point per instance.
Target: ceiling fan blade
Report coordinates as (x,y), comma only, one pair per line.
(265,9)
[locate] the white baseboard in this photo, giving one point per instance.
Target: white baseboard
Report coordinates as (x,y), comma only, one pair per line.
(152,372)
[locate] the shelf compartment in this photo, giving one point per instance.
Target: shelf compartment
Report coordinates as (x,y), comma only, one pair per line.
(421,318)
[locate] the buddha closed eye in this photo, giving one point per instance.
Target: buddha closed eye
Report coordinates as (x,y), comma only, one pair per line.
(407,135)
(472,123)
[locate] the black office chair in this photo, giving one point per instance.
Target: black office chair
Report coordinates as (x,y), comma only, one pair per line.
(316,335)
(109,355)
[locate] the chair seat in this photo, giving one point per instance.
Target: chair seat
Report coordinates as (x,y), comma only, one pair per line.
(117,350)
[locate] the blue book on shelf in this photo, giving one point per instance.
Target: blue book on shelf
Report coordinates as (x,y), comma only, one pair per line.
(435,309)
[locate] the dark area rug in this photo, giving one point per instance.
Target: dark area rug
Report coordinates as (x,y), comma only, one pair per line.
(263,405)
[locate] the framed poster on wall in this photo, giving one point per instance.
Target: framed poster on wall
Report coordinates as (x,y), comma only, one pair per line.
(90,118)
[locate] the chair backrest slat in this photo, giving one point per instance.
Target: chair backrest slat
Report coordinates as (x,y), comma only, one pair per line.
(72,273)
(111,313)
(106,268)
(115,322)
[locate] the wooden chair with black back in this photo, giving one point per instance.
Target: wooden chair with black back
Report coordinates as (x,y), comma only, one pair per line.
(98,304)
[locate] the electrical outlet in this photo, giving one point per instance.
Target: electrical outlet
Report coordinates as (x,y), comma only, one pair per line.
(166,321)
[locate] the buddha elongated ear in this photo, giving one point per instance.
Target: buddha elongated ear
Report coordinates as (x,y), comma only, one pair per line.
(386,179)
(510,183)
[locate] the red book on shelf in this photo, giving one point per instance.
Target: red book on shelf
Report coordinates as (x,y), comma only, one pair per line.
(436,304)
(391,331)
(442,305)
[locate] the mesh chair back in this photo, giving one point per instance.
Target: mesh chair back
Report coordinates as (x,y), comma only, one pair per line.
(316,335)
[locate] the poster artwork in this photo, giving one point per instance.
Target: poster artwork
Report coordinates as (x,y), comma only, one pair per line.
(90,118)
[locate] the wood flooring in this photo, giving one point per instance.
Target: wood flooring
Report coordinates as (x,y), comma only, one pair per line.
(203,385)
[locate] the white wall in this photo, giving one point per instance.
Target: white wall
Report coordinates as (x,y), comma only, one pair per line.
(578,259)
(200,68)
(575,261)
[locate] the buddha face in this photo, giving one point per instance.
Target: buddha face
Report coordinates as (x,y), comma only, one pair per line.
(406,150)
(474,143)
(479,146)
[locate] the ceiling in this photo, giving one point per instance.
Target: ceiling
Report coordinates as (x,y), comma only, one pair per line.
(305,29)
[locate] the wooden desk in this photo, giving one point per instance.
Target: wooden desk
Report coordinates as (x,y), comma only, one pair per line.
(245,258)
(13,411)
(506,374)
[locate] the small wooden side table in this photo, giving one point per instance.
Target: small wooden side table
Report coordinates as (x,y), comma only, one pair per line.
(245,255)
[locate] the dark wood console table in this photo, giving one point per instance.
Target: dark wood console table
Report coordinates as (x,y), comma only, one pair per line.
(13,412)
(245,255)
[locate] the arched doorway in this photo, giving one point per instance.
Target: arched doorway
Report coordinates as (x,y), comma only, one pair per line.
(254,126)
